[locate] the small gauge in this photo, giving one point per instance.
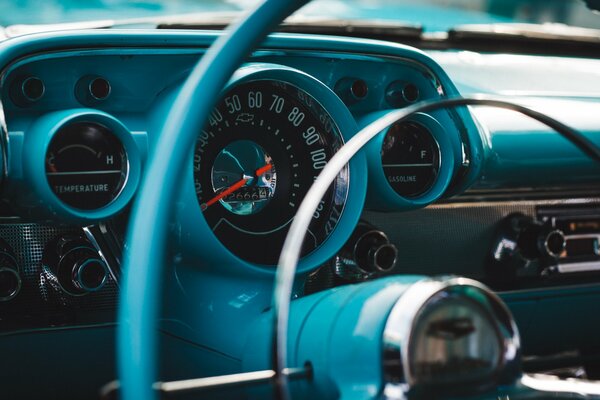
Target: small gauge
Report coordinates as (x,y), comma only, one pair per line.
(410,157)
(86,165)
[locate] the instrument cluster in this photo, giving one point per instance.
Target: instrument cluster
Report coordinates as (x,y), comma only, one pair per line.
(77,144)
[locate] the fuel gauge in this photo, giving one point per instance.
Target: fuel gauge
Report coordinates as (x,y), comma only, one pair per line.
(410,157)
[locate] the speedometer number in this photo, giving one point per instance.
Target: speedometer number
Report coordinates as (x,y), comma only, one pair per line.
(277,105)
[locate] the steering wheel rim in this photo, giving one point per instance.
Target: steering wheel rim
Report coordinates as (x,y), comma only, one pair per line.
(138,311)
(137,337)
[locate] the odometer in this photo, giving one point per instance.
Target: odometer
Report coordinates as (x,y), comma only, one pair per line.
(258,154)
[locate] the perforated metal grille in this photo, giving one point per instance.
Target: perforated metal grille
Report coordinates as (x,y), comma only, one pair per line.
(453,238)
(37,305)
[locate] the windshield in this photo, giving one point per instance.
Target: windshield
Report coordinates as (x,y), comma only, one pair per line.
(433,15)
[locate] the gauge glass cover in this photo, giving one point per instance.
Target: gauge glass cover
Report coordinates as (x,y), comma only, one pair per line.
(410,157)
(261,149)
(86,165)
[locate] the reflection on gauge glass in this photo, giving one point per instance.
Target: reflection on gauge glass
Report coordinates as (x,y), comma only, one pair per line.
(232,163)
(260,151)
(410,157)
(86,165)
(453,341)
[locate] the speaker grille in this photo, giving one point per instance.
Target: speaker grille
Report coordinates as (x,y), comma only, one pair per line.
(37,305)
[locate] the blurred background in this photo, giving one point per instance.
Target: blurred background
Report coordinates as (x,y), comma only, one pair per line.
(434,15)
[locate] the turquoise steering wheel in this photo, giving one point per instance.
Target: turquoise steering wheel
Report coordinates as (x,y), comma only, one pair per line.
(137,340)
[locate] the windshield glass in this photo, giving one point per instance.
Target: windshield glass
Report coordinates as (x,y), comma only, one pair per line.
(433,15)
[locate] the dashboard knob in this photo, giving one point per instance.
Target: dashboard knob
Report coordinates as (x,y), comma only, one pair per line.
(555,243)
(367,252)
(10,278)
(537,240)
(375,253)
(524,237)
(89,274)
(523,249)
(75,265)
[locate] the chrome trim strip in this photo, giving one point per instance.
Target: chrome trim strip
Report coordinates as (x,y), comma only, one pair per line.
(585,236)
(214,382)
(541,202)
(233,380)
(568,268)
(3,146)
(110,390)
(554,384)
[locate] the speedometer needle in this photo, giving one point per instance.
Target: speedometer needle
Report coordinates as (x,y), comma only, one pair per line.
(236,186)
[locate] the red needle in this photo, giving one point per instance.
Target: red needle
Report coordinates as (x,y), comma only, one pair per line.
(235,187)
(262,170)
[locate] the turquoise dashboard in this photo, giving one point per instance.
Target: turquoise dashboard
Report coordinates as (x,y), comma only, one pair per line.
(446,192)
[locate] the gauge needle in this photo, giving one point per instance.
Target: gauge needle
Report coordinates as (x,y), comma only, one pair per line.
(236,186)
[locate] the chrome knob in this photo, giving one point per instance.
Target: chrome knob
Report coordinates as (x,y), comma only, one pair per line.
(537,240)
(367,252)
(10,278)
(552,242)
(75,265)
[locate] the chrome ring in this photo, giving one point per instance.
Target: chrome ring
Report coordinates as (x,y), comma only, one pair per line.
(17,288)
(405,315)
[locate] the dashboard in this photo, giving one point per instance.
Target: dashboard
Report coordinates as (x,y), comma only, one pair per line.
(477,192)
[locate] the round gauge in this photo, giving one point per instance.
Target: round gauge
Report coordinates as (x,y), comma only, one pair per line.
(86,165)
(262,148)
(410,157)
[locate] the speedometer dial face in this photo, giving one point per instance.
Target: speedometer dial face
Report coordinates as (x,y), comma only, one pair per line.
(260,151)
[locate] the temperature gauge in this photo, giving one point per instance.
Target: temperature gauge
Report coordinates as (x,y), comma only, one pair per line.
(410,157)
(86,165)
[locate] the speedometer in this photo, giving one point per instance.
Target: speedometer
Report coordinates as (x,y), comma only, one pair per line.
(261,149)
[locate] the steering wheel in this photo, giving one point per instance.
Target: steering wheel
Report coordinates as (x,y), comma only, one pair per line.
(144,258)
(139,308)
